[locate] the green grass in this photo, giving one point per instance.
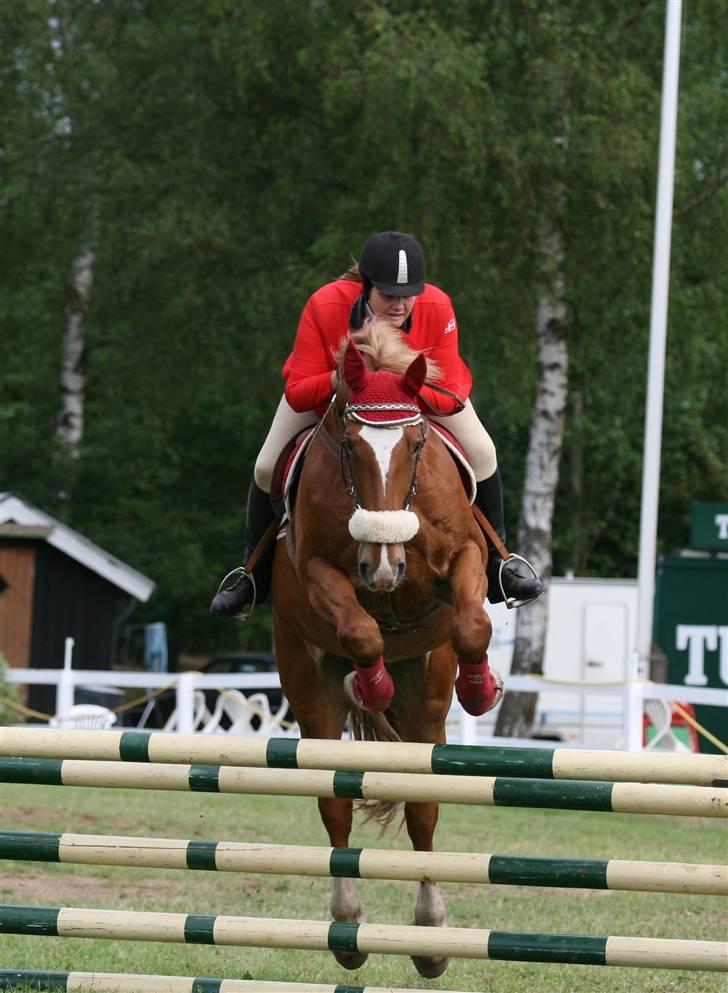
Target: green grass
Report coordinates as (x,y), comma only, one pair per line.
(295,821)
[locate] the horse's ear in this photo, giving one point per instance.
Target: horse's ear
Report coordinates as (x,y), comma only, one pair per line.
(356,373)
(414,378)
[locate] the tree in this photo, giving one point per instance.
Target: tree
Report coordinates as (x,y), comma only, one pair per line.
(237,154)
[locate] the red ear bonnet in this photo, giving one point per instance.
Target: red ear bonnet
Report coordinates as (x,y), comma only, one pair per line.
(382,397)
(414,378)
(356,373)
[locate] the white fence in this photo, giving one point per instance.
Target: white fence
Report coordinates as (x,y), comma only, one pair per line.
(462,728)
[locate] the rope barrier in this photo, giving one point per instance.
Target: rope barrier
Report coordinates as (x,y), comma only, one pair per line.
(698,727)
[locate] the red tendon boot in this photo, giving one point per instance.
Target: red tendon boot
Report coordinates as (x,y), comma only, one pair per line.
(373,686)
(478,687)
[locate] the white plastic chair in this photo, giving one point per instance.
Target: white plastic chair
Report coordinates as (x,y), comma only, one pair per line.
(238,710)
(664,738)
(247,716)
(200,714)
(84,715)
(270,723)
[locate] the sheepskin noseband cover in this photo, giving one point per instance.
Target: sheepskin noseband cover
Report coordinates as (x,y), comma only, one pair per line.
(383,527)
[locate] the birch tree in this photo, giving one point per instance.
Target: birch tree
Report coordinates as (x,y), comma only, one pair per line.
(74,90)
(516,714)
(535,528)
(69,429)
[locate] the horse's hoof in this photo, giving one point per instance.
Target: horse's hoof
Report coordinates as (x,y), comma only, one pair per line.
(373,686)
(429,968)
(478,687)
(353,960)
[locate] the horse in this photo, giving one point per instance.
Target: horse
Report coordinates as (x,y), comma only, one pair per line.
(378,588)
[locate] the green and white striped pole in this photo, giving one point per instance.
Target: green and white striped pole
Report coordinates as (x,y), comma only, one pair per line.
(631,798)
(372,756)
(365,863)
(112,982)
(387,939)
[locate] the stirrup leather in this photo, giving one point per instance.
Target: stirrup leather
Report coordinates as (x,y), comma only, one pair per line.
(241,572)
(511,601)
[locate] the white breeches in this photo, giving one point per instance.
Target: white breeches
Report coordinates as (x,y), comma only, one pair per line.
(466,427)
(286,425)
(474,439)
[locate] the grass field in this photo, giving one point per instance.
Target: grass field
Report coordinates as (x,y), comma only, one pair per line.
(295,821)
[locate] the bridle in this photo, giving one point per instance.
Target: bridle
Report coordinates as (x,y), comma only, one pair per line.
(353,412)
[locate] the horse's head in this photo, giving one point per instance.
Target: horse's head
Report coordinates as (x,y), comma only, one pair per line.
(383,434)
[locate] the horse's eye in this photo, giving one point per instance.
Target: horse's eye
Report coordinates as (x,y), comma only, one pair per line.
(348,446)
(418,447)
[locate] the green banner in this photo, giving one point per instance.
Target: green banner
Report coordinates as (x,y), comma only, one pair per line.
(691,628)
(709,526)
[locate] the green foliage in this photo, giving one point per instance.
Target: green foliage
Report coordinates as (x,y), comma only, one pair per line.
(227,156)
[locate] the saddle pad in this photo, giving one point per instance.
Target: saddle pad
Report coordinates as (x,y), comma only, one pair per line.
(293,466)
(459,457)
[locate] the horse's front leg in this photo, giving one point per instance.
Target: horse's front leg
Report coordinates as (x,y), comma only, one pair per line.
(478,689)
(333,598)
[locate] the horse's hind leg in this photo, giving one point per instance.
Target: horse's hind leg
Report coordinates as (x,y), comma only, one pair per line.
(344,904)
(424,690)
(315,691)
(429,907)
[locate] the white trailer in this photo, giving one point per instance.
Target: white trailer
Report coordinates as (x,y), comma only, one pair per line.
(592,631)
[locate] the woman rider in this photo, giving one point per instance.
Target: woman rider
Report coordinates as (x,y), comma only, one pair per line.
(388,282)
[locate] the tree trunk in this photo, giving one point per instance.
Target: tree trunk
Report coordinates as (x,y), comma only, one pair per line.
(579,544)
(542,475)
(69,426)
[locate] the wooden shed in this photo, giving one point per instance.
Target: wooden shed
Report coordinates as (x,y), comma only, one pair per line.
(54,584)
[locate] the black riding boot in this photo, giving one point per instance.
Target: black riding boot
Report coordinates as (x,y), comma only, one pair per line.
(518,589)
(234,601)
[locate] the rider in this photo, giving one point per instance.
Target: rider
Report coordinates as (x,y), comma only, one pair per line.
(388,282)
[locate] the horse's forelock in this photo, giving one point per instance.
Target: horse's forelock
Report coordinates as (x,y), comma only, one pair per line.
(384,347)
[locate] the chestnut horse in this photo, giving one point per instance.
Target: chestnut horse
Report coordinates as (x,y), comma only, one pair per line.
(382,562)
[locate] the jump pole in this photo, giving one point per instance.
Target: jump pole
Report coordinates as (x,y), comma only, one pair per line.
(365,863)
(387,939)
(632,798)
(372,756)
(114,982)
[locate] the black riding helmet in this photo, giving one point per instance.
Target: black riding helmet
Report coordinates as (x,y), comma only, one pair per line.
(393,262)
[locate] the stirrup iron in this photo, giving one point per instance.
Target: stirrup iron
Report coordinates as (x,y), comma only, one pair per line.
(512,602)
(241,572)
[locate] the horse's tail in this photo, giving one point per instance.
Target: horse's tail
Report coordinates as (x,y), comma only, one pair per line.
(367,726)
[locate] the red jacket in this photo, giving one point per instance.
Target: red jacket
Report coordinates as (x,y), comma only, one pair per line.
(325,321)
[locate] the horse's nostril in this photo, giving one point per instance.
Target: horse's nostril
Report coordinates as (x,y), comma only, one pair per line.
(400,570)
(364,571)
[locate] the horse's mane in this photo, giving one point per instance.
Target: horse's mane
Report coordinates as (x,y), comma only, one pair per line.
(384,347)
